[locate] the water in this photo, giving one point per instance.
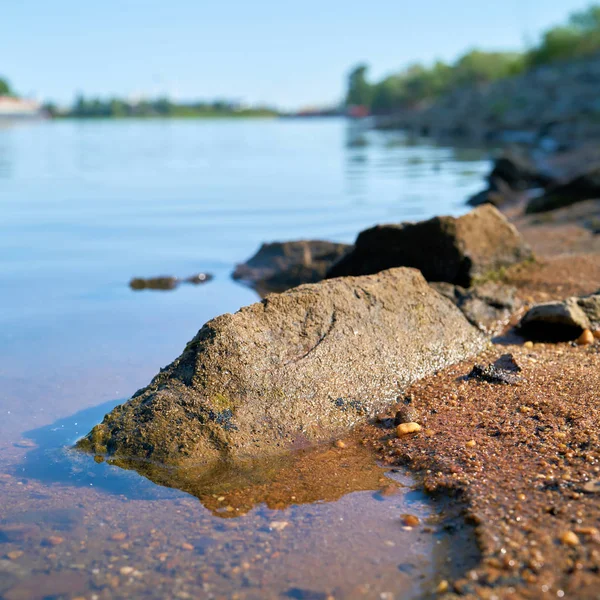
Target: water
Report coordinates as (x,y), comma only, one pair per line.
(88,205)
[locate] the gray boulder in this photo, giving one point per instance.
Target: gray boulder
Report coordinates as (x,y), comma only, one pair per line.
(562,320)
(456,250)
(279,266)
(297,367)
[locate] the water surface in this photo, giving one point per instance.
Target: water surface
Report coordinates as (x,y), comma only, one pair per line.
(86,206)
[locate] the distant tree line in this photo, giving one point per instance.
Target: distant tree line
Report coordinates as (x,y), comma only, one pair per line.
(5,88)
(160,107)
(579,37)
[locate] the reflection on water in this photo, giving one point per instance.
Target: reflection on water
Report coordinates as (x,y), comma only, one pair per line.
(88,206)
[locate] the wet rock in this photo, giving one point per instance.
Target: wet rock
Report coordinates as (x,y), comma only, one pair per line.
(497,194)
(407,414)
(518,172)
(584,186)
(296,367)
(566,320)
(167,282)
(504,370)
(406,428)
(456,250)
(279,266)
(488,305)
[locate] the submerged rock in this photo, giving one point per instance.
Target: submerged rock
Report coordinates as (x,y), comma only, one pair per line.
(456,250)
(488,306)
(297,367)
(167,282)
(566,320)
(504,370)
(279,266)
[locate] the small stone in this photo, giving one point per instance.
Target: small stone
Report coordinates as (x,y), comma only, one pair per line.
(15,554)
(340,444)
(118,537)
(54,540)
(187,546)
(406,414)
(592,486)
(25,444)
(528,344)
(471,444)
(406,428)
(278,525)
(410,520)
(126,570)
(442,587)
(586,338)
(587,531)
(596,333)
(569,538)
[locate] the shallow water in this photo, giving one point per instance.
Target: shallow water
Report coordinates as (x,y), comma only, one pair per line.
(86,206)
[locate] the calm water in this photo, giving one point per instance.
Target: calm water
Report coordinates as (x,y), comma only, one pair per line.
(85,207)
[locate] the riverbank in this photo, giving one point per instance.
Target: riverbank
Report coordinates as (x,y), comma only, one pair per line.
(522,459)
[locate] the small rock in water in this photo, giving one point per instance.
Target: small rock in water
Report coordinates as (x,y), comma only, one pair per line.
(154,283)
(406,414)
(442,587)
(199,278)
(586,338)
(25,444)
(15,554)
(410,520)
(54,540)
(126,570)
(406,428)
(278,525)
(592,487)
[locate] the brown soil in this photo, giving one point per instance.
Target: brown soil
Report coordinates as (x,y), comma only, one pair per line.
(519,456)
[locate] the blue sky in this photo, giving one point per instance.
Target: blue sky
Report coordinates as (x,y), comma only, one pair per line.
(288,52)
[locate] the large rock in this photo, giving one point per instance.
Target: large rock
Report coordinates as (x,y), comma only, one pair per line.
(279,266)
(585,186)
(456,250)
(562,320)
(297,367)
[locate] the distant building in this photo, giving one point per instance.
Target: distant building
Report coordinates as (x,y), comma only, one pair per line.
(16,108)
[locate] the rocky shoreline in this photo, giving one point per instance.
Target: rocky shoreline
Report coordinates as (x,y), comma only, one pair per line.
(518,445)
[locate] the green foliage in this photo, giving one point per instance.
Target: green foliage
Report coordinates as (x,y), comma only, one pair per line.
(160,107)
(5,88)
(418,84)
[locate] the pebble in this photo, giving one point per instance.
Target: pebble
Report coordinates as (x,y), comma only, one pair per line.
(410,520)
(54,540)
(471,444)
(340,444)
(528,344)
(187,546)
(278,525)
(126,570)
(15,554)
(586,338)
(442,587)
(569,538)
(118,537)
(592,486)
(25,444)
(596,333)
(405,415)
(405,428)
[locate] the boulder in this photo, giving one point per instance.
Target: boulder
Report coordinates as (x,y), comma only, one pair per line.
(279,266)
(585,186)
(564,320)
(456,250)
(295,368)
(518,172)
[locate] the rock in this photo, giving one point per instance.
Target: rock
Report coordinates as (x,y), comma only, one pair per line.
(517,172)
(167,282)
(567,320)
(456,250)
(497,193)
(503,370)
(406,428)
(279,266)
(406,414)
(297,367)
(586,338)
(488,306)
(585,186)
(569,538)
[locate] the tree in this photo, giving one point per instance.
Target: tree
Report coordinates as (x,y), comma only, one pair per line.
(360,92)
(5,88)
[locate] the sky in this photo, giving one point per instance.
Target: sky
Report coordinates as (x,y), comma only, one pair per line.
(287,53)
